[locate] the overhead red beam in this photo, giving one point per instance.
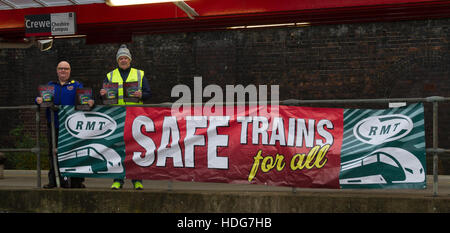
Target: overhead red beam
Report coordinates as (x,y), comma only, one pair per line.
(94,13)
(100,19)
(102,13)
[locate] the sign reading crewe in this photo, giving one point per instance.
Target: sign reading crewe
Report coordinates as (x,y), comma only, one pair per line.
(50,24)
(297,146)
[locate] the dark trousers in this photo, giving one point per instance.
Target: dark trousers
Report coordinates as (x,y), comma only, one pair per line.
(66,182)
(51,171)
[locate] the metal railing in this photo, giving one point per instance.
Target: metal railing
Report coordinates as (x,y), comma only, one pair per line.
(435,150)
(37,148)
(432,99)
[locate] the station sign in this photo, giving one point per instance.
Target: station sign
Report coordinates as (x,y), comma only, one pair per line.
(56,24)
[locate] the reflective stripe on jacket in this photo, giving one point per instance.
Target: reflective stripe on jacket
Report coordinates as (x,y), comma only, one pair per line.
(135,75)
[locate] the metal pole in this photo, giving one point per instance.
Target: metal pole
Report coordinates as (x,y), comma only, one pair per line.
(435,147)
(55,159)
(38,148)
(299,102)
(169,186)
(18,107)
(17,150)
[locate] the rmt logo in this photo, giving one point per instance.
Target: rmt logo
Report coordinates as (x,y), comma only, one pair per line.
(92,125)
(380,129)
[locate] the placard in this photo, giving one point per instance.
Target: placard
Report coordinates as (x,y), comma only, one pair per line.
(83,96)
(47,92)
(130,88)
(112,93)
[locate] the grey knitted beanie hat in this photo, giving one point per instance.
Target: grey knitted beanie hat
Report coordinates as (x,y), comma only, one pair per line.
(123,51)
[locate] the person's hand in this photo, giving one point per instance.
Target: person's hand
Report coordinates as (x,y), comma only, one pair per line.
(137,94)
(91,103)
(102,92)
(39,100)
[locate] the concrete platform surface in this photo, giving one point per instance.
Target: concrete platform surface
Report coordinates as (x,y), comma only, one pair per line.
(19,193)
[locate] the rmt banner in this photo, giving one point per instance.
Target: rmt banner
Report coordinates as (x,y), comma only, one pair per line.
(294,146)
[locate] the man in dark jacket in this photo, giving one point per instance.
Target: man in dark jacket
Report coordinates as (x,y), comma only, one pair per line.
(65,94)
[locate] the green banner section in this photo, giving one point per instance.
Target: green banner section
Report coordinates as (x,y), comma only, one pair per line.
(383,148)
(90,144)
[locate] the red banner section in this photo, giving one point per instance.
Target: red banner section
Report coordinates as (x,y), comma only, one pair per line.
(293,146)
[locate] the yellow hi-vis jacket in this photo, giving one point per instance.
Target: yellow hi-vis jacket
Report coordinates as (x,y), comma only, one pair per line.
(135,75)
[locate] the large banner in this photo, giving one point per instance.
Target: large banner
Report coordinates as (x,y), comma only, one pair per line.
(383,148)
(90,144)
(286,146)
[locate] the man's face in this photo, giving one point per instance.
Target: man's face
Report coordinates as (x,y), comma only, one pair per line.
(63,71)
(124,62)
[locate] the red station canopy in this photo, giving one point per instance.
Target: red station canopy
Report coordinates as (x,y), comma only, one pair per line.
(103,23)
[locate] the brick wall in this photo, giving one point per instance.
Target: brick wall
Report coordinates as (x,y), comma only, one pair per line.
(373,60)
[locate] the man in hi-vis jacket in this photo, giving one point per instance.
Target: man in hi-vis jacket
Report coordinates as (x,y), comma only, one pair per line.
(123,74)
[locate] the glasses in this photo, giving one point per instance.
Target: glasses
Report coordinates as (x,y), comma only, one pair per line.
(63,68)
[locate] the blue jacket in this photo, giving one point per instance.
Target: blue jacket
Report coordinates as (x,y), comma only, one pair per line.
(64,95)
